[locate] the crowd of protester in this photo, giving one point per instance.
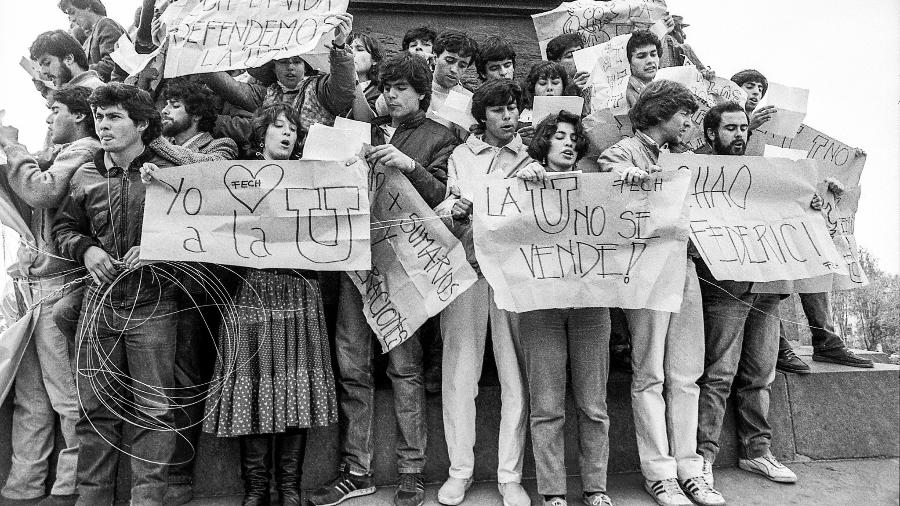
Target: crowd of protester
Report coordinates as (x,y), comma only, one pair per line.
(139,336)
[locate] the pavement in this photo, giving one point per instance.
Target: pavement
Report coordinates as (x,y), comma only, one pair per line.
(860,482)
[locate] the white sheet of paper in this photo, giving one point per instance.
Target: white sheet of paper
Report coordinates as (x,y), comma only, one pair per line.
(586,58)
(331,144)
(129,59)
(26,64)
(779,152)
(790,104)
(545,106)
(457,109)
(362,129)
(659,29)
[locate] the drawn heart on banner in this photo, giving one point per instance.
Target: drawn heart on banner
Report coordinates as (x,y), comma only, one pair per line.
(248,187)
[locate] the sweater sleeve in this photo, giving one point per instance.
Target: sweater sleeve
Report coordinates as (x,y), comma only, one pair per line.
(337,90)
(72,227)
(43,189)
(242,95)
(221,149)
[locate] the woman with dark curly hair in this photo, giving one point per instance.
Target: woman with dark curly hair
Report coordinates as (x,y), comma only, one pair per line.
(551,339)
(545,78)
(274,364)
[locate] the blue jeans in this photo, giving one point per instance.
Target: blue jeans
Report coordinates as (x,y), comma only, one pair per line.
(551,338)
(44,392)
(741,349)
(132,349)
(355,345)
(817,307)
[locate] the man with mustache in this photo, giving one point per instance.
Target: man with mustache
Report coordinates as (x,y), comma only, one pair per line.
(741,332)
(667,348)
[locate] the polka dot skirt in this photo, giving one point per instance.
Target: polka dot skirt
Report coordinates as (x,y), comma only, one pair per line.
(274,368)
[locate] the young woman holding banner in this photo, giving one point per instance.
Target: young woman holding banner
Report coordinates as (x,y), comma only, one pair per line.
(274,365)
(553,338)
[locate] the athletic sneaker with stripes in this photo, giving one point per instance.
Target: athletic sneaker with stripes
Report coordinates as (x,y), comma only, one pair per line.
(345,486)
(700,491)
(667,492)
(410,490)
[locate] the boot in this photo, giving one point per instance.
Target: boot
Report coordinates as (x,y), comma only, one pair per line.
(256,468)
(289,450)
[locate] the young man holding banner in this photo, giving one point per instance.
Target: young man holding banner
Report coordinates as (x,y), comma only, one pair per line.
(498,151)
(741,330)
(419,148)
(667,348)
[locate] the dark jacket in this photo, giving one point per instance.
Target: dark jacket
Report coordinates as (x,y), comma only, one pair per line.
(106,209)
(428,143)
(101,42)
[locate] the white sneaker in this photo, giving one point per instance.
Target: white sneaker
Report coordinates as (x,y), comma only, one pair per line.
(699,491)
(667,492)
(769,467)
(453,491)
(556,501)
(514,494)
(596,499)
(708,474)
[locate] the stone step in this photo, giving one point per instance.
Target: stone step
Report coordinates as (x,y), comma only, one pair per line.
(836,412)
(822,483)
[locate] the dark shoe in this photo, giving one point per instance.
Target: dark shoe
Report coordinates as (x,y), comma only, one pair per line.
(789,362)
(842,356)
(178,494)
(410,490)
(256,468)
(289,451)
(345,486)
(61,500)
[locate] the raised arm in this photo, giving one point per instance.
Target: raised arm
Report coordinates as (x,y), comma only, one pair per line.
(43,189)
(220,149)
(241,95)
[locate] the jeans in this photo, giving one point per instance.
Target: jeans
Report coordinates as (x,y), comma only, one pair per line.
(355,344)
(741,348)
(194,358)
(464,327)
(550,338)
(132,349)
(65,314)
(667,358)
(817,307)
(44,390)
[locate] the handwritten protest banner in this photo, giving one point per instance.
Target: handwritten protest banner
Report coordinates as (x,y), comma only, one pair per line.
(835,158)
(260,213)
(597,22)
(751,219)
(583,240)
(230,34)
(418,266)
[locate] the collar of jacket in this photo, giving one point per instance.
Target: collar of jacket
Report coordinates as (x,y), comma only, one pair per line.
(100,161)
(648,141)
(417,119)
(477,145)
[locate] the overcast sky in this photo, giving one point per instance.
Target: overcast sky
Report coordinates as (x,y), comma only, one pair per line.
(847,54)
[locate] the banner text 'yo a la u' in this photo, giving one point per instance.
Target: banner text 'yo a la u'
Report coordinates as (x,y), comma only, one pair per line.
(214,35)
(583,240)
(260,213)
(418,266)
(751,218)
